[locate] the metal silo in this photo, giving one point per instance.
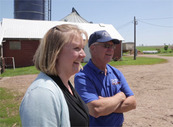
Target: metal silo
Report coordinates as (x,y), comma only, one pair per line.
(29,9)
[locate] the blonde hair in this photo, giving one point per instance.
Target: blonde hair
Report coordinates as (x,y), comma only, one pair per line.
(46,56)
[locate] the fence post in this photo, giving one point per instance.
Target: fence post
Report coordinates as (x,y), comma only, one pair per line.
(13,63)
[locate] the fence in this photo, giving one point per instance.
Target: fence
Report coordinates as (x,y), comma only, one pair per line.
(6,62)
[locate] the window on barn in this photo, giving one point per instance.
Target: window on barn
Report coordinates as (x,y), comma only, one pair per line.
(15,45)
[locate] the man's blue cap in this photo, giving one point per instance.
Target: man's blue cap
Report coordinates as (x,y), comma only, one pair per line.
(101,36)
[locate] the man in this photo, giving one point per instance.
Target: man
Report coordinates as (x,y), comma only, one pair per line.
(103,87)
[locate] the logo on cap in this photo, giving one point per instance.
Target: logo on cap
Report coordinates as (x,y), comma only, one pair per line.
(105,34)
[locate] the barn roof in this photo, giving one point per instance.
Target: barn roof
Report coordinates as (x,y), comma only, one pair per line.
(35,29)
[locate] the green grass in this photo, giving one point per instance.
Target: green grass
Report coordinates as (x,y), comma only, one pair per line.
(129,60)
(149,48)
(9,108)
(170,54)
(139,61)
(126,61)
(20,71)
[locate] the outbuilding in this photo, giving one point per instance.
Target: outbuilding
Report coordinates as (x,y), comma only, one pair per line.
(19,39)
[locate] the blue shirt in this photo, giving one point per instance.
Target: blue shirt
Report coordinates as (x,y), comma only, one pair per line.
(92,82)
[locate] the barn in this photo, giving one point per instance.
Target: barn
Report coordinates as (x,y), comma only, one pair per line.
(20,38)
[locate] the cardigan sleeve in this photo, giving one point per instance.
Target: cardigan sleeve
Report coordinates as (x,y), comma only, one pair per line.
(42,108)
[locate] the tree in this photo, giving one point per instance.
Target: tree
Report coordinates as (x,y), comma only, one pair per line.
(166,48)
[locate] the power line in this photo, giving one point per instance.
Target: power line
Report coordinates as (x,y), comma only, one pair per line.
(124,25)
(141,20)
(157,18)
(155,24)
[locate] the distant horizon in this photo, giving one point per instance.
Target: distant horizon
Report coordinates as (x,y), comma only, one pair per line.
(152,45)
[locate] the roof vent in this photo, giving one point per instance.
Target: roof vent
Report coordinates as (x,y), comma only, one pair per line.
(65,20)
(101,25)
(74,10)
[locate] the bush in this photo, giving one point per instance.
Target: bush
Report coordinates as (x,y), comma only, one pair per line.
(166,48)
(158,50)
(172,48)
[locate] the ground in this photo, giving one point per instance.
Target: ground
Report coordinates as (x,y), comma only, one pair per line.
(151,84)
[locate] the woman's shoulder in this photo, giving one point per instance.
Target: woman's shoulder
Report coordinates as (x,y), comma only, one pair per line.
(44,83)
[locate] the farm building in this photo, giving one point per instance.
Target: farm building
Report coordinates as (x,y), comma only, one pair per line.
(128,46)
(20,38)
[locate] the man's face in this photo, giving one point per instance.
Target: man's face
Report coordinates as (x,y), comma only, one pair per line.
(103,51)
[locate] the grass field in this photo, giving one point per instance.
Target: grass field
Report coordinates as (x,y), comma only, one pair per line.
(9,108)
(149,48)
(126,60)
(20,71)
(138,61)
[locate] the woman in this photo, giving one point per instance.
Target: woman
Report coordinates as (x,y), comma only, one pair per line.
(51,100)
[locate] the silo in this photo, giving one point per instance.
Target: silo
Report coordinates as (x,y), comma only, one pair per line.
(29,9)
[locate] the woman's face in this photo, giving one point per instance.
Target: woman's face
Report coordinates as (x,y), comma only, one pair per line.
(71,56)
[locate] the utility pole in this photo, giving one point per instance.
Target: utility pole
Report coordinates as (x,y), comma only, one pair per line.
(135,23)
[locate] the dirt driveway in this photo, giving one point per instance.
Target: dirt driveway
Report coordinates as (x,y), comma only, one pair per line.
(152,85)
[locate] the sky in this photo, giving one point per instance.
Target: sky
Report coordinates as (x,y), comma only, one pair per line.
(154,17)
